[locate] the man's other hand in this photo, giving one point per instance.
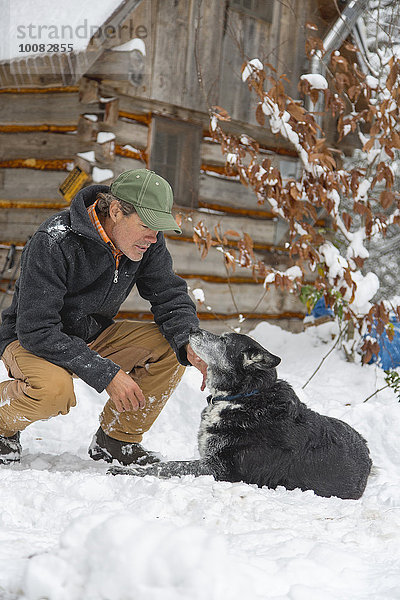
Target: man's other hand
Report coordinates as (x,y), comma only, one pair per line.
(125,393)
(197,362)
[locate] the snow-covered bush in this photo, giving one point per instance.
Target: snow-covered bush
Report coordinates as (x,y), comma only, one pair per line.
(357,199)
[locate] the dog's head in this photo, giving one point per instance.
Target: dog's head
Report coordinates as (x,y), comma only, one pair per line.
(235,362)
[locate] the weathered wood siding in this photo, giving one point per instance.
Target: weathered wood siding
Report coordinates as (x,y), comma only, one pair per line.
(42,133)
(37,148)
(213,39)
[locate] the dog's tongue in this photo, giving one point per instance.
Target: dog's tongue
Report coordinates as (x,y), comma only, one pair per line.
(203,385)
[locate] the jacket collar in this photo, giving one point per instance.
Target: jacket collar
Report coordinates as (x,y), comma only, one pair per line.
(80,221)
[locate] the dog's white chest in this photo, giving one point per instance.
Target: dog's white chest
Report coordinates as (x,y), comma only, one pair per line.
(208,438)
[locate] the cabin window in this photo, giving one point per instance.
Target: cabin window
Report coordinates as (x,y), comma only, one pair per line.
(175,155)
(260,9)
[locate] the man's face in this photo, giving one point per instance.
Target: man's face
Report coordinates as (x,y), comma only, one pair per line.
(129,234)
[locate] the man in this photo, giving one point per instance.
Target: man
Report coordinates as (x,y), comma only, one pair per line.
(76,271)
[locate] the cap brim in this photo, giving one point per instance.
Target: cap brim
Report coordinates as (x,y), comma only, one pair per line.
(157,220)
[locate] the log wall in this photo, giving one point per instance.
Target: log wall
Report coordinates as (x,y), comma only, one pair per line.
(45,132)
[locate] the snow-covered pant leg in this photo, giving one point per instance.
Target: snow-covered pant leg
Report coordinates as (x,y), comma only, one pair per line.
(39,390)
(142,351)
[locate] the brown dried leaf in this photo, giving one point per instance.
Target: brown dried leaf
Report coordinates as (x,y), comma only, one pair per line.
(296,111)
(347,220)
(395,139)
(350,47)
(386,199)
(394,71)
(232,233)
(369,145)
(248,242)
(260,117)
(217,233)
(360,208)
(221,113)
(314,95)
(359,261)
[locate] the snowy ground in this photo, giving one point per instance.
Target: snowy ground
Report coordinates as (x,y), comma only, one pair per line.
(68,531)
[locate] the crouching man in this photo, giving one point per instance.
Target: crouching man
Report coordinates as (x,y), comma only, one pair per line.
(76,271)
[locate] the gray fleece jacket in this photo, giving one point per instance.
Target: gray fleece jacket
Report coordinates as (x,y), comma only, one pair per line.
(67,294)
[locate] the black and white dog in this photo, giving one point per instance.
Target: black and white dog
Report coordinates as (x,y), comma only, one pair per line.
(256,430)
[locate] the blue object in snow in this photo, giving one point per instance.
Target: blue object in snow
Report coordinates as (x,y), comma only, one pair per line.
(321,310)
(389,351)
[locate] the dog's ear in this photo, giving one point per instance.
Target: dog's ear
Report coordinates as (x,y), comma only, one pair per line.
(260,359)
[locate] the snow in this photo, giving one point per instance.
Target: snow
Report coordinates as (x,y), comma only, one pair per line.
(99,175)
(367,286)
(105,136)
(69,531)
(198,293)
(363,189)
(135,44)
(294,272)
(253,65)
(244,140)
(32,23)
(93,118)
(89,156)
(130,148)
(346,130)
(356,247)
(372,82)
(316,81)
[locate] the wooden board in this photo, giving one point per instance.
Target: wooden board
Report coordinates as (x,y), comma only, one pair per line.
(54,108)
(19,224)
(121,164)
(187,260)
(129,68)
(8,273)
(129,132)
(260,230)
(234,93)
(212,154)
(170,51)
(218,299)
(186,257)
(44,145)
(30,183)
(206,30)
(228,192)
(244,298)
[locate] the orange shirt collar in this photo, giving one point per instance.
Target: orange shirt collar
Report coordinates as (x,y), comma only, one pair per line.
(100,230)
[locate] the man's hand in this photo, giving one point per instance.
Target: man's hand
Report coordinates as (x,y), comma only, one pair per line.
(125,393)
(197,362)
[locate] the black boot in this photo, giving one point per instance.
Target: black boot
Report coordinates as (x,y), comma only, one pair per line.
(10,449)
(104,447)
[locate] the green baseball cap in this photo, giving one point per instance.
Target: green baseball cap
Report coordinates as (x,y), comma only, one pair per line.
(150,194)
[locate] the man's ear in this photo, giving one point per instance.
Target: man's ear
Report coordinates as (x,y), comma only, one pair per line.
(114,211)
(260,359)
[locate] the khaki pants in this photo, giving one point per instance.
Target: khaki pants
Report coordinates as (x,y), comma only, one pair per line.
(40,390)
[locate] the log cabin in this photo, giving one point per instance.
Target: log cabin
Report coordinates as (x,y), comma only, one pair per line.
(137,93)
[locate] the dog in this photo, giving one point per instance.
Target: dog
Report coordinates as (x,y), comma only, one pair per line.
(255,429)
